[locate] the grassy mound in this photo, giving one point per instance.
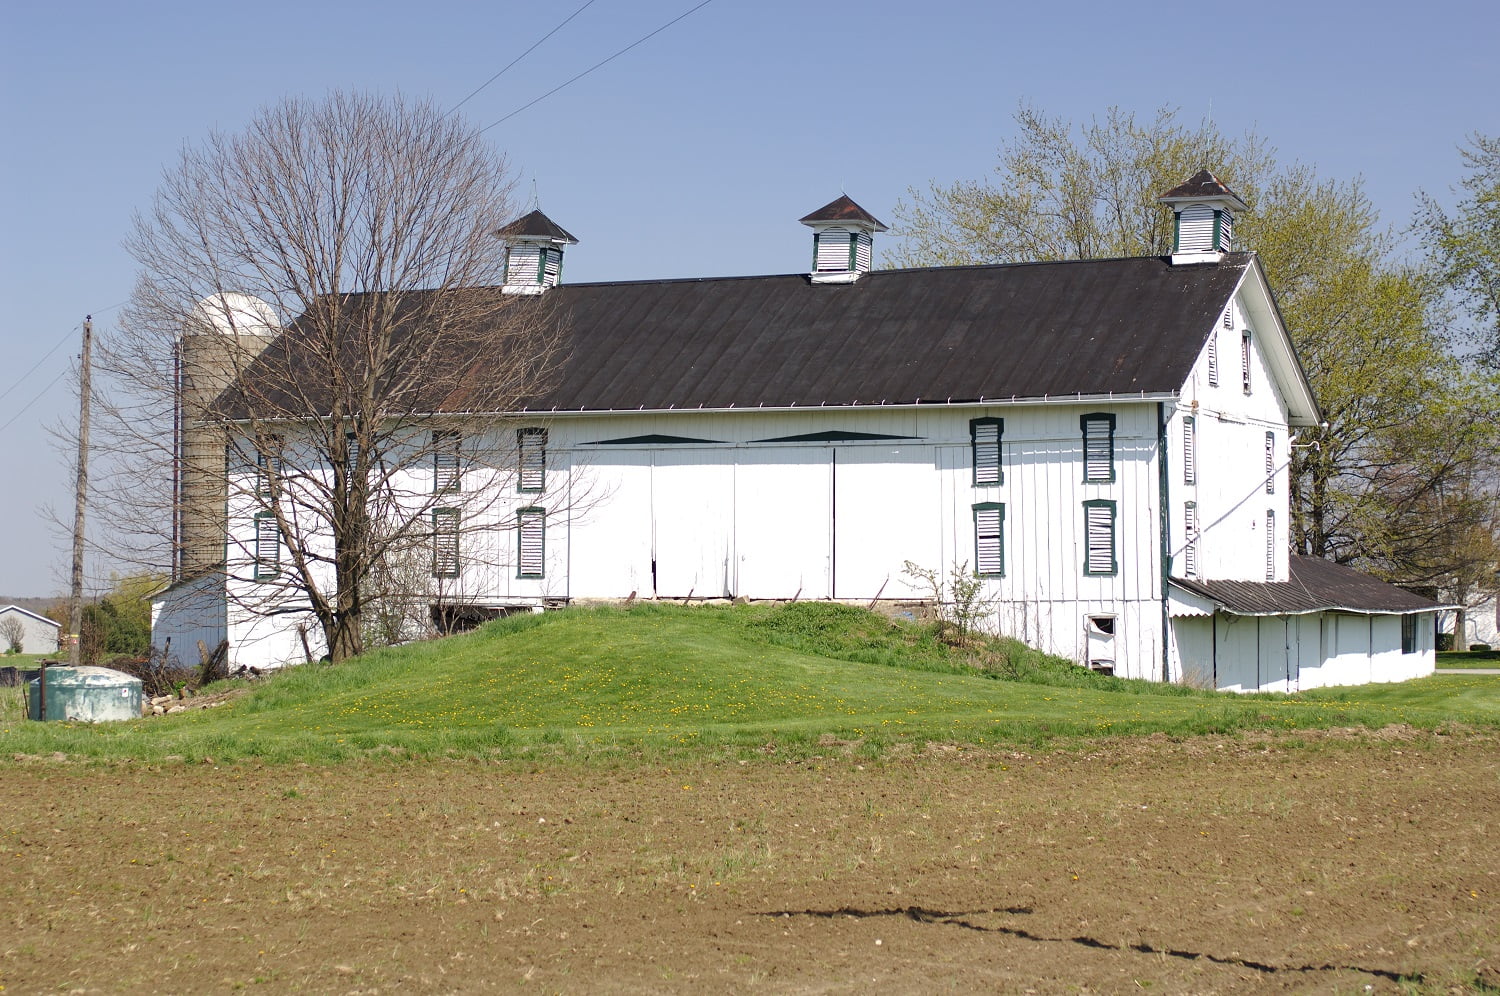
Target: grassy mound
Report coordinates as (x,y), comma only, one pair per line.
(662,678)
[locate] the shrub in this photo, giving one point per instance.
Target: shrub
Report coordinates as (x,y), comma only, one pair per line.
(1478,648)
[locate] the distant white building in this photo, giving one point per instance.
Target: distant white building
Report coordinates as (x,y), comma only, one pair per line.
(38,633)
(1104,442)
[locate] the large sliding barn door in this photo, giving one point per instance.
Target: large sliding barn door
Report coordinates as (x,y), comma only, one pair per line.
(783,539)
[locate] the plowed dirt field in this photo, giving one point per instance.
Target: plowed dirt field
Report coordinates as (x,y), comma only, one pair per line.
(1339,862)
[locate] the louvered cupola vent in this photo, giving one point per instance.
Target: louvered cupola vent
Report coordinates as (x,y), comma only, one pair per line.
(1203,210)
(843,241)
(533,253)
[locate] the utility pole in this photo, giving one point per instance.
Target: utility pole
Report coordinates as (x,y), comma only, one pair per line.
(80,496)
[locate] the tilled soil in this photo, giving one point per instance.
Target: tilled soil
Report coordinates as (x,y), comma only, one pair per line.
(1340,862)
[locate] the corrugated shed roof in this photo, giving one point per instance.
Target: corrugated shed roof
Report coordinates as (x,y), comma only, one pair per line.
(1315,585)
(1122,327)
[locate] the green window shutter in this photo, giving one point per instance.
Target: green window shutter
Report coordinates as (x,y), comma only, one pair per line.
(1270,463)
(531,444)
(989,540)
(445,469)
(1098,448)
(445,525)
(267,546)
(1218,220)
(985,436)
(1190,540)
(1270,544)
(531,542)
(1245,352)
(268,466)
(1189,450)
(1177,230)
(1099,538)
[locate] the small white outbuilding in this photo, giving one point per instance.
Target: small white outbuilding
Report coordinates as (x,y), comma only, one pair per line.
(37,634)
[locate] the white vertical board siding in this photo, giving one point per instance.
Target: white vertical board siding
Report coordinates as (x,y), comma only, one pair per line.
(1045,597)
(885,500)
(1230,477)
(610,526)
(784,539)
(692,507)
(187,613)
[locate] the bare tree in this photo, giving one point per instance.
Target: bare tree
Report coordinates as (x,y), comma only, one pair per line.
(13,631)
(301,460)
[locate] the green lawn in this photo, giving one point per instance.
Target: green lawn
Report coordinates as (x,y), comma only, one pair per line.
(664,679)
(1468,658)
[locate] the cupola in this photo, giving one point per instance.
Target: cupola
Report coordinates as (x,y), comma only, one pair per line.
(842,241)
(1203,211)
(533,253)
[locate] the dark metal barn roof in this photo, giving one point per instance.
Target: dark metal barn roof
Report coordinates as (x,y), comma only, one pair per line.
(1097,328)
(1315,585)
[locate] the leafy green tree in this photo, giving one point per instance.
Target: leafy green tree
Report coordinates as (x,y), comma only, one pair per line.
(120,622)
(1384,378)
(1464,247)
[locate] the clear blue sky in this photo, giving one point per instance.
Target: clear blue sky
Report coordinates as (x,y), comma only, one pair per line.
(739,119)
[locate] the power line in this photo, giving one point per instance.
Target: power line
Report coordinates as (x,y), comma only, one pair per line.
(55,347)
(597,65)
(22,379)
(34,400)
(518,58)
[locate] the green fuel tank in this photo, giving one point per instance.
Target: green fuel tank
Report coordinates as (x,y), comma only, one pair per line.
(86,694)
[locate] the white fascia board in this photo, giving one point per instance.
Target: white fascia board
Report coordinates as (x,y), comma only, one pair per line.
(33,615)
(1280,354)
(1142,397)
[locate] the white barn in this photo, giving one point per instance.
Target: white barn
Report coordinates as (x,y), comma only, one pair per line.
(38,633)
(1104,442)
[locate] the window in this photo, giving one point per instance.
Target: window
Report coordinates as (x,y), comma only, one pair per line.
(531,541)
(445,542)
(445,471)
(351,455)
(1213,358)
(834,251)
(267,546)
(1190,537)
(984,440)
(1270,463)
(268,465)
(1409,633)
(989,540)
(1189,450)
(1270,544)
(1245,359)
(1098,448)
(1099,537)
(532,446)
